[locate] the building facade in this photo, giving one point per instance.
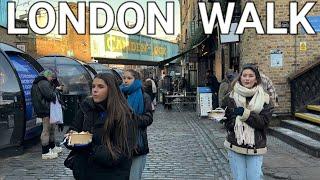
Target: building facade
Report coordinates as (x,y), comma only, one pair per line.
(26,43)
(277,56)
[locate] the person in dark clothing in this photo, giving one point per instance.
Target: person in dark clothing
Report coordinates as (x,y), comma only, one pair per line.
(147,87)
(225,85)
(248,114)
(213,83)
(108,117)
(141,105)
(42,94)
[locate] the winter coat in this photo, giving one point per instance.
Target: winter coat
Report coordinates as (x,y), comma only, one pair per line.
(259,122)
(143,121)
(213,83)
(42,93)
(148,89)
(95,161)
(224,89)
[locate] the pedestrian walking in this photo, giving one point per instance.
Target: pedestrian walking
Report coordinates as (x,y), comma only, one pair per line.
(154,91)
(225,86)
(141,105)
(213,83)
(42,94)
(269,87)
(108,117)
(248,114)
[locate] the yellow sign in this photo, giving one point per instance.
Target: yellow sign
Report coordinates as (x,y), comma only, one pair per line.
(115,43)
(303,46)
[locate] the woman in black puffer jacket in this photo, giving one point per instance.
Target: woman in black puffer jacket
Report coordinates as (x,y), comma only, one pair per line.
(108,117)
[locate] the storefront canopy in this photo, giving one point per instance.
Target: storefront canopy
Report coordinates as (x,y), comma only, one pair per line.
(147,63)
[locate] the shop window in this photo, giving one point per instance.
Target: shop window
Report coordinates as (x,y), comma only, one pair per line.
(234,56)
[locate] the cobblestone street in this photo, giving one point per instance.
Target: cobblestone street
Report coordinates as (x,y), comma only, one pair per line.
(179,149)
(182,146)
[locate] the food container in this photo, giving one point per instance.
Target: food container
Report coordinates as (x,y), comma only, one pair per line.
(82,138)
(217,114)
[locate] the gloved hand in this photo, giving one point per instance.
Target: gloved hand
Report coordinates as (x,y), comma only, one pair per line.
(238,111)
(60,127)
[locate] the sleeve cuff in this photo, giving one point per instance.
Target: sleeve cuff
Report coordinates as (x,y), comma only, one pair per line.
(245,115)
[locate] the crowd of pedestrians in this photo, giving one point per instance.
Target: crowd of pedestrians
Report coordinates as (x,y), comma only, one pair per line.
(117,114)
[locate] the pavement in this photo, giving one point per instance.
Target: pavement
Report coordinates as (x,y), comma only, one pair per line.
(182,146)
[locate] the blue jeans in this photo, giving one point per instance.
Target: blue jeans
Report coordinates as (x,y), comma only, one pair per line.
(245,167)
(137,167)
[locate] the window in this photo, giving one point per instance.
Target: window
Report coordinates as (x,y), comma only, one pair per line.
(234,55)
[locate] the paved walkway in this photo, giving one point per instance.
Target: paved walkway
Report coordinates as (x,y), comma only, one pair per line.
(282,161)
(179,149)
(182,146)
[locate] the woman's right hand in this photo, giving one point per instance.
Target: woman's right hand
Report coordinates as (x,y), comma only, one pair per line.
(67,135)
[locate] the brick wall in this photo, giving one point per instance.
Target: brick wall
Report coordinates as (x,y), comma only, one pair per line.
(256,49)
(27,40)
(72,42)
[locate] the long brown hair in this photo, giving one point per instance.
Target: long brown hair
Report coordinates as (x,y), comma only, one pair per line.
(116,128)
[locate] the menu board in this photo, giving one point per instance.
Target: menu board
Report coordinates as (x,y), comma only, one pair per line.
(27,74)
(204,100)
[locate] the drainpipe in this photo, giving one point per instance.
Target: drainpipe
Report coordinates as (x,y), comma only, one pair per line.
(295,53)
(295,50)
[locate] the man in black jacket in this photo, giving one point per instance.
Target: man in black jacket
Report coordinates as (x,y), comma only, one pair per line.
(213,83)
(43,93)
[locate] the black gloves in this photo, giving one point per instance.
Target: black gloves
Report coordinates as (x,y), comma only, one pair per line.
(238,111)
(60,127)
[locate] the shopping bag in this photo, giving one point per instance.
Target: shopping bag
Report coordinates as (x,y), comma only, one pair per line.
(56,116)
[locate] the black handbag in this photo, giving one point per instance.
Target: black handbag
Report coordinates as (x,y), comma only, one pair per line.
(69,161)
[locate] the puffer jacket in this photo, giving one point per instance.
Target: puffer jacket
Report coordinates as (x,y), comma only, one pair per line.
(95,161)
(42,93)
(259,122)
(143,121)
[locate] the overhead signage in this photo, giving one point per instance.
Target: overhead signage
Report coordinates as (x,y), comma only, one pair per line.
(117,45)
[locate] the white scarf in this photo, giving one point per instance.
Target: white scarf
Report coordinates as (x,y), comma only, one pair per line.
(243,132)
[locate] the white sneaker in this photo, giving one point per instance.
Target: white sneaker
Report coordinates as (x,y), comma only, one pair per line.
(57,149)
(50,155)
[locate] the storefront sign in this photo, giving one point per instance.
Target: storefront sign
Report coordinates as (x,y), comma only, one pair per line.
(134,47)
(276,58)
(232,37)
(27,74)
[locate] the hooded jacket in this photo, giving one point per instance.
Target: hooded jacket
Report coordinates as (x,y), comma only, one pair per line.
(42,93)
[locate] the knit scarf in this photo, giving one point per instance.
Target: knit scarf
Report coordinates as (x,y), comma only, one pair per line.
(243,132)
(136,102)
(135,96)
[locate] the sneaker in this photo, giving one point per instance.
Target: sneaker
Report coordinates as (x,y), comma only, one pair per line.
(49,155)
(57,149)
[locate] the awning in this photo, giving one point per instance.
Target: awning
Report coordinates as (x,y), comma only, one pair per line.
(124,61)
(163,62)
(102,60)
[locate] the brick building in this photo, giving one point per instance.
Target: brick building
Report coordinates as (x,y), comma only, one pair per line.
(254,48)
(71,44)
(23,42)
